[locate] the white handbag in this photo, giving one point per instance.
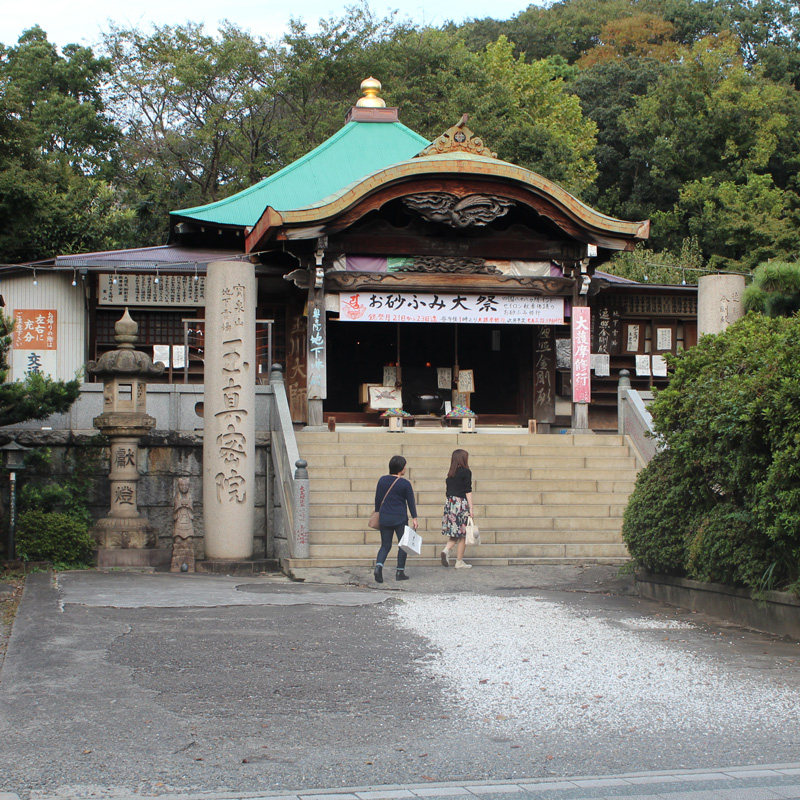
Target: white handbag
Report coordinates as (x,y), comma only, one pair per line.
(473,534)
(411,541)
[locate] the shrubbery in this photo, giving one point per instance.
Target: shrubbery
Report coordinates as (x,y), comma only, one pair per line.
(722,502)
(54,515)
(49,536)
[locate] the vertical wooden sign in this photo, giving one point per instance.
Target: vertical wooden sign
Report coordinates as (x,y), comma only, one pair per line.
(581,354)
(544,374)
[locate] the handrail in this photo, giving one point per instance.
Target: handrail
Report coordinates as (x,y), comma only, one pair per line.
(290,469)
(635,421)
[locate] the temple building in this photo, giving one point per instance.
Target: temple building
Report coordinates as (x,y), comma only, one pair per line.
(391,272)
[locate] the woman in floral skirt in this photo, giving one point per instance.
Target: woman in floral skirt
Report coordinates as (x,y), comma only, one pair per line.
(457,508)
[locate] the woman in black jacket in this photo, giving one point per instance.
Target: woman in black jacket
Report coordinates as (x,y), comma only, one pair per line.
(392,494)
(457,508)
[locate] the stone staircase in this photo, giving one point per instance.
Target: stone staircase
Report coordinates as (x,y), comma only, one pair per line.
(554,499)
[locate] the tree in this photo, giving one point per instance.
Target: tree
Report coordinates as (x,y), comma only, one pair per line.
(197,113)
(606,91)
(732,444)
(775,290)
(56,153)
(528,116)
(37,396)
(665,267)
(709,117)
(642,35)
(738,225)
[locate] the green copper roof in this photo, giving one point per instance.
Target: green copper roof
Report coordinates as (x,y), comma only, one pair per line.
(353,152)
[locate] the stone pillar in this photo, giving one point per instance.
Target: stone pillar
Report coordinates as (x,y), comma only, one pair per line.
(229,447)
(719,302)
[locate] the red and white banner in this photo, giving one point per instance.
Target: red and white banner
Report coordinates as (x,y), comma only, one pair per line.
(481,309)
(581,355)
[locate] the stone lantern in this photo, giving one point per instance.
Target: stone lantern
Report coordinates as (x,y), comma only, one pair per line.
(124,421)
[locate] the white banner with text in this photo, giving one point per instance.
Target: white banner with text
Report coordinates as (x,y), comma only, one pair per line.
(480,309)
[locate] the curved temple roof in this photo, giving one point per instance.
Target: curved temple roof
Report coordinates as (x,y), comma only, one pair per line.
(367,163)
(356,150)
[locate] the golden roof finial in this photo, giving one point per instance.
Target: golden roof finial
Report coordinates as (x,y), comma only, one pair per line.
(371,86)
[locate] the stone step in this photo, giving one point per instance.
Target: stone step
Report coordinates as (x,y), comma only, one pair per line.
(432,522)
(411,452)
(504,537)
(481,500)
(453,438)
(378,465)
(367,553)
(537,498)
(334,515)
(298,568)
(366,486)
(491,479)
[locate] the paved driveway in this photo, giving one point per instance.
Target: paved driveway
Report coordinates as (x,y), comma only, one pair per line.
(125,683)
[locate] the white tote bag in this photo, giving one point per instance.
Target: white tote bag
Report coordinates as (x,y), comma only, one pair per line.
(411,541)
(473,534)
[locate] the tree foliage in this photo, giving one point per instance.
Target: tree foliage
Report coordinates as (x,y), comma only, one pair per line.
(682,111)
(729,423)
(56,153)
(775,290)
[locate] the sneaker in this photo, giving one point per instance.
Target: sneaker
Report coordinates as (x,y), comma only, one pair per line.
(463,565)
(400,575)
(378,573)
(445,556)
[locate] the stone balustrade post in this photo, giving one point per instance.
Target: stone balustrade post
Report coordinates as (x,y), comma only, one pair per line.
(622,387)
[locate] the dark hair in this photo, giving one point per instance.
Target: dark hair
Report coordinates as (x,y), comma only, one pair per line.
(396,463)
(460,458)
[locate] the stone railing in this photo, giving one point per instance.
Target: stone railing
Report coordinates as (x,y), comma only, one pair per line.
(291,474)
(635,421)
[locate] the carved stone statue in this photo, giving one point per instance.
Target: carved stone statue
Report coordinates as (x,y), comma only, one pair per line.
(182,527)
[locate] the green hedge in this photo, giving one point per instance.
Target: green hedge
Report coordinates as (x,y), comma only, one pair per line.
(722,501)
(50,536)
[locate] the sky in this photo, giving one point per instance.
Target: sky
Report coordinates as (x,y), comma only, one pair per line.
(83,21)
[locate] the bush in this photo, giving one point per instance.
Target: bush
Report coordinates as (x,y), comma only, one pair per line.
(659,518)
(722,503)
(50,536)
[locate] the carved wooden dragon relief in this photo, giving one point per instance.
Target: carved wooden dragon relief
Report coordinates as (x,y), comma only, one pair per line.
(458,212)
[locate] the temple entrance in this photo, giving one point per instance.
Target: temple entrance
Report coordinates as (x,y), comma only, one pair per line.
(499,357)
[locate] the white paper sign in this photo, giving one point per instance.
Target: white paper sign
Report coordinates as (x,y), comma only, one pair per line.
(161,353)
(444,378)
(601,364)
(642,365)
(633,339)
(663,338)
(660,366)
(178,356)
(390,376)
(466,381)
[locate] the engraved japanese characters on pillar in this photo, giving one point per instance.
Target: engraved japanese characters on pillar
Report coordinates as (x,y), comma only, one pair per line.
(719,302)
(229,433)
(544,374)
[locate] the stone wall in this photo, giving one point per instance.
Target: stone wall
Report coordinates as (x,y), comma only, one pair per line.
(174,449)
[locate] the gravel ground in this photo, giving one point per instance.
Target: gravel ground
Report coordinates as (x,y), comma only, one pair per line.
(532,666)
(500,684)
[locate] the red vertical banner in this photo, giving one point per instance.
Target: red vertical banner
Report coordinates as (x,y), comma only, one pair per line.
(581,354)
